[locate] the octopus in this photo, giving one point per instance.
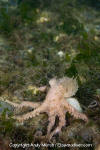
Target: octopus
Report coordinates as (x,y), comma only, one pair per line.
(55,104)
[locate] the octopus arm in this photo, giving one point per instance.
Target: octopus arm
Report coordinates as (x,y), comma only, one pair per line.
(42,88)
(9,102)
(62,123)
(29,104)
(23,104)
(31,114)
(51,123)
(74,112)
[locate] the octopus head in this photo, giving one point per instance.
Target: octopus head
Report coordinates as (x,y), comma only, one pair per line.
(70,85)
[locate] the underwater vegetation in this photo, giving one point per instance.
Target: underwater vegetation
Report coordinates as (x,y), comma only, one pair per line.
(41,40)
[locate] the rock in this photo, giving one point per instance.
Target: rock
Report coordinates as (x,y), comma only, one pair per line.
(5,107)
(86,134)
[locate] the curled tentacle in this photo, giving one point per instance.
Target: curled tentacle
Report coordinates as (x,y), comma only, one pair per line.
(74,112)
